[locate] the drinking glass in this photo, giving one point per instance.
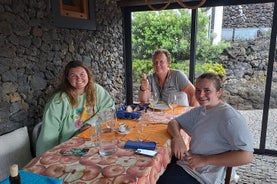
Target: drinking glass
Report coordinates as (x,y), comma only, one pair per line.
(95,133)
(110,119)
(153,99)
(107,140)
(173,101)
(139,128)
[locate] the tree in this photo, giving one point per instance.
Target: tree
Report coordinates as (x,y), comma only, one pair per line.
(170,29)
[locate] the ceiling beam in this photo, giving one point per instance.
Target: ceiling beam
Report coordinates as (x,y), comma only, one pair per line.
(208,3)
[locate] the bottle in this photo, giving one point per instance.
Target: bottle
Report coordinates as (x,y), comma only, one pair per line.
(14,175)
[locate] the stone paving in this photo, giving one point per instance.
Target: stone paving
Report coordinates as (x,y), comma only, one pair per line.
(263,169)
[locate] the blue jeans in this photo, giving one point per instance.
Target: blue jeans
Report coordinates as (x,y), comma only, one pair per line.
(176,174)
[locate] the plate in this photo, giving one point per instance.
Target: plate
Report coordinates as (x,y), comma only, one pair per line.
(159,107)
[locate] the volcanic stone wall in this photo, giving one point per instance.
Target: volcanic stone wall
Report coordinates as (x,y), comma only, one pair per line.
(34,52)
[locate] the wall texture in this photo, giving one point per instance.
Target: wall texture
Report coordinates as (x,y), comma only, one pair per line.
(33,53)
(245,16)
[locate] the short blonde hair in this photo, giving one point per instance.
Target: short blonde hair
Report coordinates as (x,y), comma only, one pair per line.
(164,51)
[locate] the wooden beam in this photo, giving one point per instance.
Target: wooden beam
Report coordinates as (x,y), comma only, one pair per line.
(126,3)
(133,3)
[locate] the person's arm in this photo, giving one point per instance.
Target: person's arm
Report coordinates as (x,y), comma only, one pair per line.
(144,90)
(178,145)
(144,95)
(52,122)
(190,91)
(230,159)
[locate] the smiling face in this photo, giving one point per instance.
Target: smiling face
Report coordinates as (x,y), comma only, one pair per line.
(161,64)
(207,94)
(78,79)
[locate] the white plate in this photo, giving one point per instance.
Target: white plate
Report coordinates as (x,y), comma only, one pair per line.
(160,107)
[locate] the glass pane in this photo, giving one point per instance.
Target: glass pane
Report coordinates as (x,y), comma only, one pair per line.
(240,37)
(168,29)
(271,138)
(231,40)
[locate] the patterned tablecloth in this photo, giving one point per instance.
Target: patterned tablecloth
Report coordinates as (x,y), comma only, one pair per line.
(122,167)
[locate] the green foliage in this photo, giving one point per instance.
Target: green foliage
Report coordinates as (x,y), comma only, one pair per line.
(170,29)
(140,67)
(209,67)
(165,29)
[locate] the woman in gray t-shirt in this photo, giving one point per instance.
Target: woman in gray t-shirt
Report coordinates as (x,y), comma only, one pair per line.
(219,138)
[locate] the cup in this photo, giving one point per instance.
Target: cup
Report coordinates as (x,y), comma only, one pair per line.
(107,141)
(173,101)
(139,127)
(107,144)
(94,134)
(153,99)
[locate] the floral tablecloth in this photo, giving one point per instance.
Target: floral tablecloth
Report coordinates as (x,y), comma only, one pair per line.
(122,167)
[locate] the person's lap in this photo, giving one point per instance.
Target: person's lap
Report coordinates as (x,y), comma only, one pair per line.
(176,174)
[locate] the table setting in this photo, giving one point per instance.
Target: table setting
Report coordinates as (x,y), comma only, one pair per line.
(138,150)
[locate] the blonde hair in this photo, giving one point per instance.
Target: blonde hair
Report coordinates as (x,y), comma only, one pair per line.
(163,51)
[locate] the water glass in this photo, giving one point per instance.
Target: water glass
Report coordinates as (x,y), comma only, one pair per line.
(173,101)
(107,141)
(153,99)
(139,128)
(95,133)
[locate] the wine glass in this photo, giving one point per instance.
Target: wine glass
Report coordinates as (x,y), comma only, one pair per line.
(173,101)
(153,99)
(139,128)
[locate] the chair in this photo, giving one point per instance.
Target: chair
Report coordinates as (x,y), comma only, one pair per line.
(15,149)
(35,135)
(231,175)
(228,175)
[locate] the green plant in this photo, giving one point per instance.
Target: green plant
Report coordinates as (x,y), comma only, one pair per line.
(170,29)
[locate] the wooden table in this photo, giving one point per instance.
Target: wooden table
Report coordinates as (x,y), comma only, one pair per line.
(122,167)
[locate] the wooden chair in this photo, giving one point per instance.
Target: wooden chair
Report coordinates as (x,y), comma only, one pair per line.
(228,175)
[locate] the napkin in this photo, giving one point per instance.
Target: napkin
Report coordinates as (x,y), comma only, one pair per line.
(128,115)
(29,178)
(140,145)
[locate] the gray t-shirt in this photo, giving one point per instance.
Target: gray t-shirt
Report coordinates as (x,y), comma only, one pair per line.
(176,81)
(214,131)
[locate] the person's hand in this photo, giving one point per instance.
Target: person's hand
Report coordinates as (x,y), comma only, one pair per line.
(144,83)
(195,161)
(179,148)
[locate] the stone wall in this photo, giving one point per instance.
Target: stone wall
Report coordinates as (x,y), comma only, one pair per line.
(33,53)
(247,16)
(246,65)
